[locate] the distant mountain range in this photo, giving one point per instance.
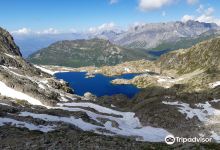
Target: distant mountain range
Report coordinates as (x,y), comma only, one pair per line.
(78,53)
(154,36)
(149,36)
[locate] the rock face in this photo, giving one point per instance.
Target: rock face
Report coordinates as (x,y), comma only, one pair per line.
(7,44)
(78,53)
(152,35)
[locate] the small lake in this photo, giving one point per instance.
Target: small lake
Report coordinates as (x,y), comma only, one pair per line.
(99,85)
(158,53)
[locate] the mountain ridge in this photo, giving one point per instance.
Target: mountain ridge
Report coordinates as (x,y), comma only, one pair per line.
(151,35)
(78,53)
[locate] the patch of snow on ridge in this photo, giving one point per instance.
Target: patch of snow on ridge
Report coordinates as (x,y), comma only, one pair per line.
(30,126)
(97,108)
(10,55)
(127,69)
(4,104)
(41,86)
(7,69)
(215,136)
(203,111)
(215,84)
(72,120)
(9,92)
(45,70)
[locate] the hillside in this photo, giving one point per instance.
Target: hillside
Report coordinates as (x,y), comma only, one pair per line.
(204,55)
(78,53)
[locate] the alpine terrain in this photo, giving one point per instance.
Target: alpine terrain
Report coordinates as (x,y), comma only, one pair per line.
(182,99)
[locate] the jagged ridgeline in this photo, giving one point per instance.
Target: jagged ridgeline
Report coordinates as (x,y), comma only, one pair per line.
(78,53)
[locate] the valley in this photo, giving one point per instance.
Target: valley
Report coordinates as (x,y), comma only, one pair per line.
(176,94)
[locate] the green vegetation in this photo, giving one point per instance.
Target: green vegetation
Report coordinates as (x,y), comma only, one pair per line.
(78,53)
(201,56)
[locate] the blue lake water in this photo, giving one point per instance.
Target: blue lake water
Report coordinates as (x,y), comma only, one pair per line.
(158,53)
(99,85)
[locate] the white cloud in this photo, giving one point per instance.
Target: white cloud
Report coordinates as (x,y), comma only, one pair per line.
(200,9)
(48,31)
(186,18)
(147,5)
(205,15)
(23,31)
(113,1)
(105,26)
(192,2)
(27,31)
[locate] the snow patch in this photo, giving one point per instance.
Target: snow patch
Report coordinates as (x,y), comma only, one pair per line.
(127,69)
(215,136)
(203,111)
(45,70)
(30,126)
(215,84)
(7,69)
(41,86)
(4,104)
(9,92)
(77,122)
(113,106)
(128,124)
(10,55)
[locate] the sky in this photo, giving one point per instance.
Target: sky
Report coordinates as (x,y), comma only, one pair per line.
(59,16)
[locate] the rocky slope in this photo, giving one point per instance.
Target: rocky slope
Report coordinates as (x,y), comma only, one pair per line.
(78,53)
(204,55)
(183,43)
